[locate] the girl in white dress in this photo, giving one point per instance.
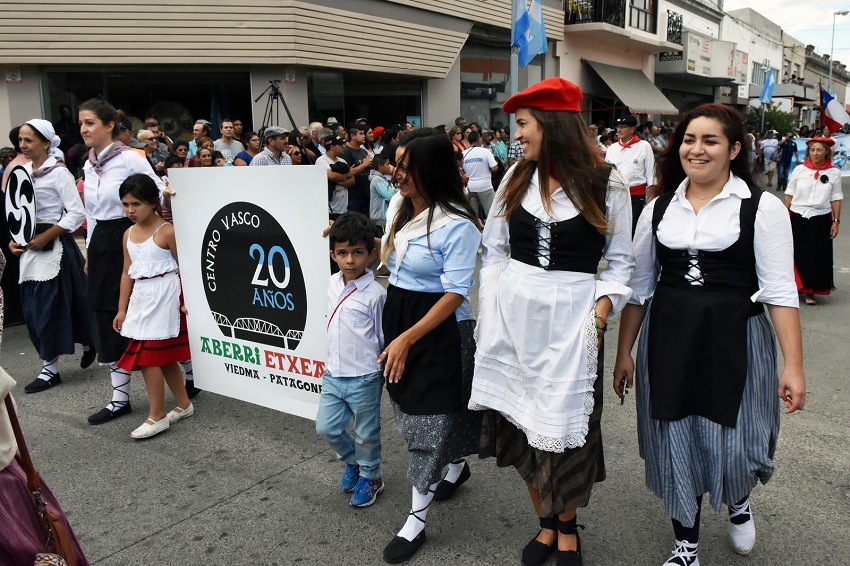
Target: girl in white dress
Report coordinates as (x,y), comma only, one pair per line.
(149,308)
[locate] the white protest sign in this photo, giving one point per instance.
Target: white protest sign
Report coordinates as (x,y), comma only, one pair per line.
(255,270)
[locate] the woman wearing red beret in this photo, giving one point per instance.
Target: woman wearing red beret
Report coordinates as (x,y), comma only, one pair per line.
(814,197)
(537,366)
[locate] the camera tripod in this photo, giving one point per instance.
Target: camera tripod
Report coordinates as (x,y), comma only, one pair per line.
(273,103)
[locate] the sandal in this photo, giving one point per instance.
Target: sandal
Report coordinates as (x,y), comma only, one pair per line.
(810,300)
(535,552)
(570,557)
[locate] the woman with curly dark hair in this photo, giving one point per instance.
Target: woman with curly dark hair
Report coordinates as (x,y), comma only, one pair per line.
(710,252)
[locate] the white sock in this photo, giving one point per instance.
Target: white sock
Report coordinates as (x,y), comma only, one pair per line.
(416,520)
(52,367)
(120,387)
(187,369)
(453,473)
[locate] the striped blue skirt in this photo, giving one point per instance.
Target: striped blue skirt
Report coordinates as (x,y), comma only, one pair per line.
(692,456)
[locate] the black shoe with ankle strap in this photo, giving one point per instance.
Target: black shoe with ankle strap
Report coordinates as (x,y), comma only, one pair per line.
(570,557)
(535,552)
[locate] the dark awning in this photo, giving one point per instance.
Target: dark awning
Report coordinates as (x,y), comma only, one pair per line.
(634,89)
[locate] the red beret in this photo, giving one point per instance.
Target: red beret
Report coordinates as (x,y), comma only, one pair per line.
(554,94)
(826,141)
(377,131)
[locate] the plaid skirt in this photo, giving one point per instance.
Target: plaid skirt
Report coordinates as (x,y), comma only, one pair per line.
(564,480)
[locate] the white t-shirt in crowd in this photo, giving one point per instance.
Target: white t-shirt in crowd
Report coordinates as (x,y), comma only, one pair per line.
(339,199)
(477,164)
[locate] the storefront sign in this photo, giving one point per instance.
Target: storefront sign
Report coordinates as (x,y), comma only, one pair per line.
(255,270)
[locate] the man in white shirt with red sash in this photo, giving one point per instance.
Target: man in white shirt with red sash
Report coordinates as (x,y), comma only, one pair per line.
(634,158)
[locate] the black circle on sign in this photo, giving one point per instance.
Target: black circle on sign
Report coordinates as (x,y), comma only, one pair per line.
(244,262)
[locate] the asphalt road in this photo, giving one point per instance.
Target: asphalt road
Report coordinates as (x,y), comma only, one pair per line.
(240,484)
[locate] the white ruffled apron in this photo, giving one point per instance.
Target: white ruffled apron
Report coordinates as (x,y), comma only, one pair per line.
(536,352)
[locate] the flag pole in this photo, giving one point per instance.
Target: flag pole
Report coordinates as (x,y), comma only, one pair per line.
(514,66)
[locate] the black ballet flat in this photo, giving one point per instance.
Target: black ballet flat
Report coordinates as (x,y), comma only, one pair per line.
(105,415)
(535,552)
(88,358)
(39,384)
(401,550)
(446,489)
(569,557)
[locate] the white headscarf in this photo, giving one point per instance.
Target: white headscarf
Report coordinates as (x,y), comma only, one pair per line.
(46,129)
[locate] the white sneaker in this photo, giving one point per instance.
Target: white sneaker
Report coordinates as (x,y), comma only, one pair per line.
(177,413)
(147,430)
(743,536)
(685,554)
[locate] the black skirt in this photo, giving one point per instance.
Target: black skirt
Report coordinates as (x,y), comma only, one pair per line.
(813,253)
(432,380)
(105,266)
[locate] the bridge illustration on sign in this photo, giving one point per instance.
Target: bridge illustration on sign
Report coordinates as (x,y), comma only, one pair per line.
(247,328)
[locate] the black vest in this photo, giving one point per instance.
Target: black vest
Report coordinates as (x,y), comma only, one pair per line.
(572,245)
(698,333)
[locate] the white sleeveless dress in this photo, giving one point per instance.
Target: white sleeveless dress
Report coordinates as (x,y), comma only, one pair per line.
(154,309)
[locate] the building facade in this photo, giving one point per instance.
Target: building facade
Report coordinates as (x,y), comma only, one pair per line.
(609,50)
(426,61)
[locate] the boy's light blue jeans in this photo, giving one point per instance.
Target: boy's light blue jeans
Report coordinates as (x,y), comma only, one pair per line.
(358,397)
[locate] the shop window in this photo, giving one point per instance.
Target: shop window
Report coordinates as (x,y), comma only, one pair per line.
(643,15)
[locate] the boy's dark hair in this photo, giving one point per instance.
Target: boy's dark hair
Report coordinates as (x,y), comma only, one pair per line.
(172,160)
(140,186)
(458,155)
(379,160)
(353,228)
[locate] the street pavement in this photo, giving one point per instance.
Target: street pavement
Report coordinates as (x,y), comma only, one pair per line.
(239,484)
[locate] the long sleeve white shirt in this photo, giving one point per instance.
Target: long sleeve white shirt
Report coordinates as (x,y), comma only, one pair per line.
(355,333)
(810,196)
(636,163)
(101,190)
(57,199)
(614,279)
(715,228)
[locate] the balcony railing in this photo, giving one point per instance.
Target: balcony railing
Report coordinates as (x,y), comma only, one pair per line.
(674,27)
(596,11)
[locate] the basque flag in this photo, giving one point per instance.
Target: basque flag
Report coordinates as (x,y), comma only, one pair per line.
(832,114)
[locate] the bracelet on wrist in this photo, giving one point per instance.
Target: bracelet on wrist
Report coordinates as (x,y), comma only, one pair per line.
(601,328)
(837,221)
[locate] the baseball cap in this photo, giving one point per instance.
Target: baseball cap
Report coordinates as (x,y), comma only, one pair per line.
(328,141)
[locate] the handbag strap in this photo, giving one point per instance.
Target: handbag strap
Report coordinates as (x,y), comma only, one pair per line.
(33,479)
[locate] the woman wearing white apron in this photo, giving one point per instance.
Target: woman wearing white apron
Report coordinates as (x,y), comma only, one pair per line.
(53,285)
(542,313)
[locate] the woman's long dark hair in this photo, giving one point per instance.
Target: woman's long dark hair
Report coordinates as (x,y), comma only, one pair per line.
(669,165)
(432,166)
(568,154)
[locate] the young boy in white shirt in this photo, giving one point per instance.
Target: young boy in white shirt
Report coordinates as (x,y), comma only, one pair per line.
(353,382)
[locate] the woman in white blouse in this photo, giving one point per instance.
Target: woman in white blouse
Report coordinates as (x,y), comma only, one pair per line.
(108,164)
(814,196)
(542,311)
(708,415)
(53,285)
